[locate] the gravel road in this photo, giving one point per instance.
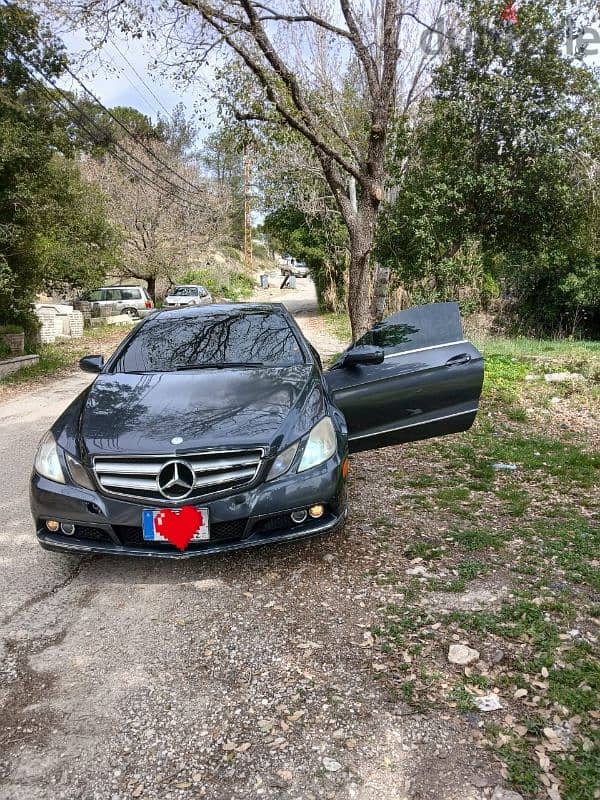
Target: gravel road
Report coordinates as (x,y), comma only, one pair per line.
(239,676)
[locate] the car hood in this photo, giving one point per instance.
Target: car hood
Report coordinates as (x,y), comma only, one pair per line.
(141,414)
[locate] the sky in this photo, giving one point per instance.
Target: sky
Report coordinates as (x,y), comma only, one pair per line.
(124,78)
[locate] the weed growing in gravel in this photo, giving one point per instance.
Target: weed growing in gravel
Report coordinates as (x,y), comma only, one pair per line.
(532,529)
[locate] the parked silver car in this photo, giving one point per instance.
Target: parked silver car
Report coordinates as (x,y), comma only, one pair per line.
(297,268)
(124,299)
(187,295)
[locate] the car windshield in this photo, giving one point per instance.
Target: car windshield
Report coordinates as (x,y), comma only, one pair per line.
(243,338)
(185,291)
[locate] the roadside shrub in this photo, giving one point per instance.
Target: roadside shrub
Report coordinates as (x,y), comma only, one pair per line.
(235,285)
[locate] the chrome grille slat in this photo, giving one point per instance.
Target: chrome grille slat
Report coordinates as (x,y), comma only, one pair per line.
(229,477)
(211,465)
(128,483)
(214,472)
(122,468)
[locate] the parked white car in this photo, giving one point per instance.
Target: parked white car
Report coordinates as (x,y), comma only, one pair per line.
(296,268)
(130,300)
(187,295)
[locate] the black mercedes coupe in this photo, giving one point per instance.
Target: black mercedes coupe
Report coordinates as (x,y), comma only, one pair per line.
(216,428)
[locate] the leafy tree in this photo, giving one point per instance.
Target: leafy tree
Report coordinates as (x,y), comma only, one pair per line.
(222,159)
(320,245)
(496,168)
(52,225)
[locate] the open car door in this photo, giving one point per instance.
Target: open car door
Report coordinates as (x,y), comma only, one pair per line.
(411,377)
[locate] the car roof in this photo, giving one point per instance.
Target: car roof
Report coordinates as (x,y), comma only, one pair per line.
(188,286)
(222,308)
(119,286)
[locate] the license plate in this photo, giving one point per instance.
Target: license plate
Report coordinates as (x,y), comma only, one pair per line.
(152,534)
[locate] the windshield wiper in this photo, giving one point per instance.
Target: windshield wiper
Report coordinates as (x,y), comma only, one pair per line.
(219,365)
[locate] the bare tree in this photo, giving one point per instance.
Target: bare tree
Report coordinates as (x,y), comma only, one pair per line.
(163,224)
(299,55)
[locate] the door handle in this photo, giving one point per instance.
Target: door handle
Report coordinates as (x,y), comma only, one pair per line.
(461,358)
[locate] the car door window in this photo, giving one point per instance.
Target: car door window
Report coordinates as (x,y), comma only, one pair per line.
(130,294)
(113,295)
(415,328)
(96,295)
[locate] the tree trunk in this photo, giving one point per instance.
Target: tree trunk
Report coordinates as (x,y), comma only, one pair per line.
(152,287)
(359,278)
(380,292)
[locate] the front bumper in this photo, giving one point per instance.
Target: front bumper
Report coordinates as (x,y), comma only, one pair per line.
(260,515)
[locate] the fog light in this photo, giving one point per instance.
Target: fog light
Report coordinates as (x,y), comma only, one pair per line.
(52,525)
(316,511)
(67,528)
(298,516)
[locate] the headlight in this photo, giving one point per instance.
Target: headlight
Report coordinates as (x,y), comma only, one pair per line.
(78,473)
(321,445)
(282,462)
(47,461)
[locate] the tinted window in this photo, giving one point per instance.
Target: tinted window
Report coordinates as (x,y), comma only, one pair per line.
(168,342)
(130,294)
(185,291)
(94,296)
(421,326)
(113,294)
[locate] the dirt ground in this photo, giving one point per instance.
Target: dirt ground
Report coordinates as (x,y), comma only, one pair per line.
(240,676)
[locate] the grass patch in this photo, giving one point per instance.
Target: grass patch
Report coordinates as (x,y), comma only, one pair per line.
(534,524)
(339,326)
(523,769)
(52,358)
(515,501)
(421,548)
(450,496)
(503,374)
(523,347)
(478,539)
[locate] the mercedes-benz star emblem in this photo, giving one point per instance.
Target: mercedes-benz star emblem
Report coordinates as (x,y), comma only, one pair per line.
(176,480)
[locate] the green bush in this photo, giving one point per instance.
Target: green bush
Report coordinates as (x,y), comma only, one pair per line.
(235,285)
(4,351)
(10,329)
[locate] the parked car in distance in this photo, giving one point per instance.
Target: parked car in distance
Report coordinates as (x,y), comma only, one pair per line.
(125,299)
(296,268)
(188,295)
(219,423)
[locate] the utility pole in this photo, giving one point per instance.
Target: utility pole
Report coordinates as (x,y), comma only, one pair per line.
(248,257)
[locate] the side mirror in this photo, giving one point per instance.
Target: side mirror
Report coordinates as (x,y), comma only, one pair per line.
(363,354)
(91,363)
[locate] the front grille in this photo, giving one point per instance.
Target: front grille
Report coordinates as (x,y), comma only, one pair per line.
(230,531)
(137,476)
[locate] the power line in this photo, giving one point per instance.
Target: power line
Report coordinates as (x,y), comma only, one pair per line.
(106,134)
(130,133)
(136,89)
(197,189)
(115,155)
(149,88)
